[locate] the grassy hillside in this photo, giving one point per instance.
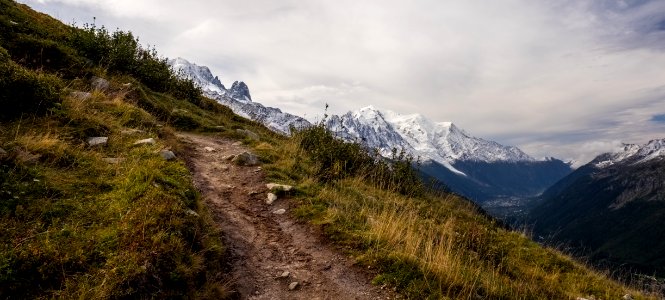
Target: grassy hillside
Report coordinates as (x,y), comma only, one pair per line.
(614,214)
(425,243)
(119,221)
(109,221)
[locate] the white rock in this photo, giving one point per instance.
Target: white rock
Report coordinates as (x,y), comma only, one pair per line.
(284,274)
(97,141)
(246,159)
(293,285)
(277,186)
(271,198)
(209,149)
(280,211)
(149,141)
(167,154)
(237,144)
(191,212)
(100,84)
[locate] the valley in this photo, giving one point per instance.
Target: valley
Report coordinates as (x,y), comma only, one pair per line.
(125,174)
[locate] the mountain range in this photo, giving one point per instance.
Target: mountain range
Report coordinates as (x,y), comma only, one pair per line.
(612,208)
(484,171)
(237,98)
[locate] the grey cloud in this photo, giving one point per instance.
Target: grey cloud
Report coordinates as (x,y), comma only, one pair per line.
(548,76)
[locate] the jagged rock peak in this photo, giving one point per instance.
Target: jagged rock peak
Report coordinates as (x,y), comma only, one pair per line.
(239,90)
(201,75)
(633,154)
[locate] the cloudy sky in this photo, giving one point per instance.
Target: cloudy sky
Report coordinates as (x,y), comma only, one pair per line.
(563,78)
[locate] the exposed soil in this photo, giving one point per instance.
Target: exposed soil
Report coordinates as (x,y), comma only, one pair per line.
(262,245)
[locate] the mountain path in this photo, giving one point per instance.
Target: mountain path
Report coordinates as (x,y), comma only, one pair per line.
(262,245)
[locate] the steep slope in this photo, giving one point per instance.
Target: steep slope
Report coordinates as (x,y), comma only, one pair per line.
(112,219)
(237,98)
(612,207)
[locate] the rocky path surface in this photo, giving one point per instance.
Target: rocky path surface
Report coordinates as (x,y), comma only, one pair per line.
(272,255)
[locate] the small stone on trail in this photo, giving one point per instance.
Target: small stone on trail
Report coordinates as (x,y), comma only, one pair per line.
(271,198)
(237,144)
(277,186)
(280,211)
(167,154)
(284,274)
(97,140)
(209,149)
(246,159)
(191,212)
(149,141)
(293,285)
(230,157)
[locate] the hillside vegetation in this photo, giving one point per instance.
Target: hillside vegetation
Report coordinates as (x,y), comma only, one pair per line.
(119,221)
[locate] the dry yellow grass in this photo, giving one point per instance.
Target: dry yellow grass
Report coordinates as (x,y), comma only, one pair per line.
(436,245)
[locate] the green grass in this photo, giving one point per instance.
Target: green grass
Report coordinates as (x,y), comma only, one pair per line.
(425,243)
(73,225)
(76,226)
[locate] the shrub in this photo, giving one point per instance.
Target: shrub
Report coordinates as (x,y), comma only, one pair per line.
(121,53)
(37,53)
(336,159)
(4,55)
(26,91)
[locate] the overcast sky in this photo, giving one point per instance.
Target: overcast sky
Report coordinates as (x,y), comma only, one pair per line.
(563,78)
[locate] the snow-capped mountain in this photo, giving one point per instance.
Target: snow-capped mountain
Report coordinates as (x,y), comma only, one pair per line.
(239,91)
(201,75)
(611,207)
(237,98)
(369,127)
(479,169)
(633,154)
(442,142)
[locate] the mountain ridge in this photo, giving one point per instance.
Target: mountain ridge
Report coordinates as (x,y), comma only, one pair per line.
(447,152)
(612,207)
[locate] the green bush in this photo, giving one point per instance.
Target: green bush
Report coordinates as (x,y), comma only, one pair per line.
(337,159)
(4,55)
(25,91)
(121,53)
(37,53)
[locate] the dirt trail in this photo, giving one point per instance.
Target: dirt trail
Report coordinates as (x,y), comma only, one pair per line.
(264,245)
